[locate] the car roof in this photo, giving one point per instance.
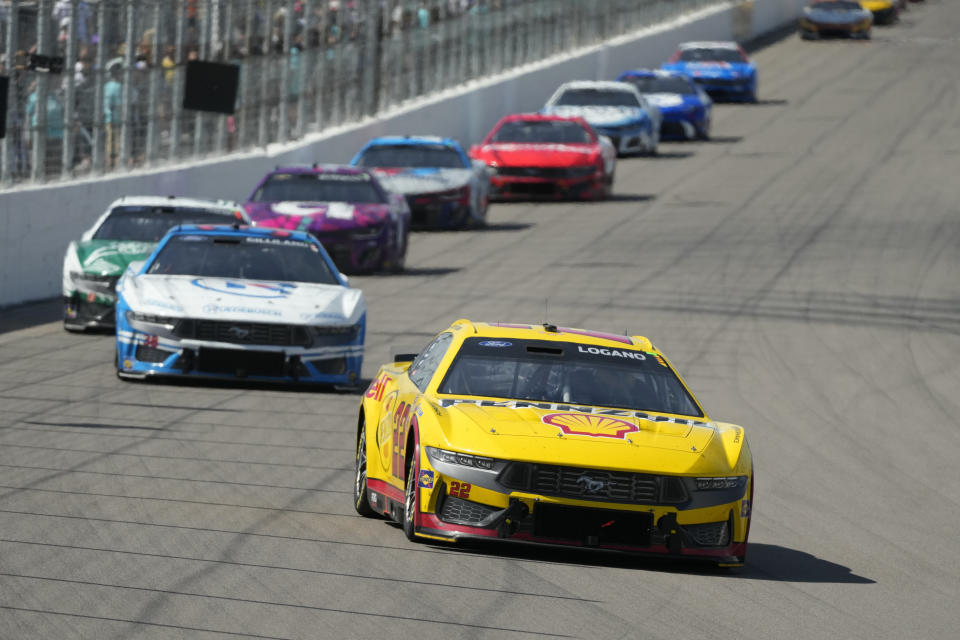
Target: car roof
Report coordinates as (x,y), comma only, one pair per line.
(228,206)
(238,230)
(710,44)
(412,140)
(603,85)
(652,73)
(533,117)
(548,332)
(320,169)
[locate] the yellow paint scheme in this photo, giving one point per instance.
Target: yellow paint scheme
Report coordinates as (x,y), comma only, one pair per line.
(706,448)
(877,5)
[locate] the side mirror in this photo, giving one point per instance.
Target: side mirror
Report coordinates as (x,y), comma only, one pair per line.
(345,279)
(479,164)
(605,140)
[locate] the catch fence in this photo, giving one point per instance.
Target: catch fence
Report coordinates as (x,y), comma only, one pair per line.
(96,86)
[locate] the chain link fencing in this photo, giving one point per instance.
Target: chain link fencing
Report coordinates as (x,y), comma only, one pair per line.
(96,86)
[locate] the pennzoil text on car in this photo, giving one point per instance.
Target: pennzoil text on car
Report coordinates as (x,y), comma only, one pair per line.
(127,232)
(239,302)
(555,436)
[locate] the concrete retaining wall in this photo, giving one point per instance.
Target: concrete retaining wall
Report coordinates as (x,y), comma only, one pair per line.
(37,223)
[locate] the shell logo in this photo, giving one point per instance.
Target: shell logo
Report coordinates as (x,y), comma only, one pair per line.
(579,424)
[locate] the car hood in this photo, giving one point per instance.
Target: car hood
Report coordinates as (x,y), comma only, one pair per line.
(835,17)
(244,300)
(583,436)
(600,116)
(111,257)
(671,100)
(514,154)
(316,216)
(420,180)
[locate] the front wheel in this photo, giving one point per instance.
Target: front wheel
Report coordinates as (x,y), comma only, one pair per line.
(361,501)
(411,498)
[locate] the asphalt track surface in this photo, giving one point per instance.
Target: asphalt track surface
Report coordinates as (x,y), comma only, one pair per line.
(802,271)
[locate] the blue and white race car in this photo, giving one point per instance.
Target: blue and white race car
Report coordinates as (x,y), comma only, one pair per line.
(442,186)
(614,109)
(721,68)
(239,302)
(686,109)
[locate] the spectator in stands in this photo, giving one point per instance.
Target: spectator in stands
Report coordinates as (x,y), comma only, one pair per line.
(112,97)
(54,131)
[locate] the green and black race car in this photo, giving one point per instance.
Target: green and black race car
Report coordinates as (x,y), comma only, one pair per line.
(127,232)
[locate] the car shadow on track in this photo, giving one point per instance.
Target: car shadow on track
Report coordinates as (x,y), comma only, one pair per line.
(630,197)
(496,226)
(254,385)
(764,562)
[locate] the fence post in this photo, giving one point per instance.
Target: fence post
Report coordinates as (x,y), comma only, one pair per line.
(263,135)
(206,25)
(69,95)
(126,111)
(176,107)
(9,144)
(283,117)
(226,44)
(39,97)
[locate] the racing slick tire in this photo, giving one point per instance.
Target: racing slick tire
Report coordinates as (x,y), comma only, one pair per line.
(361,500)
(411,497)
(704,132)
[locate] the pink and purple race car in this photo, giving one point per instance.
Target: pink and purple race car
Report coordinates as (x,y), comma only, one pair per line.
(363,226)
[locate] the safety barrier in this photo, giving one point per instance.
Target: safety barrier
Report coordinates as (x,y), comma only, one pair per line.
(37,222)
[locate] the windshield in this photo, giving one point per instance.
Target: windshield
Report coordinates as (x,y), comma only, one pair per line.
(662,85)
(836,6)
(412,155)
(149,224)
(319,187)
(550,131)
(711,55)
(596,98)
(243,257)
(539,370)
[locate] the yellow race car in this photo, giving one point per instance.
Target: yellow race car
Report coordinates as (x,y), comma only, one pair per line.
(551,435)
(884,11)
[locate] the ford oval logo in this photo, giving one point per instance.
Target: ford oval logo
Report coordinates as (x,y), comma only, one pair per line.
(495,343)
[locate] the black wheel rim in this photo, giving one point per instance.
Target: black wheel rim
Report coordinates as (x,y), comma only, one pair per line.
(360,481)
(411,495)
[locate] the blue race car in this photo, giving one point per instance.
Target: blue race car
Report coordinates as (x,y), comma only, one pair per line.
(722,69)
(239,302)
(443,188)
(685,108)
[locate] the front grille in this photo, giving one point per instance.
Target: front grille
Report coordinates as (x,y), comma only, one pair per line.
(592,526)
(546,172)
(593,484)
(259,333)
(457,511)
(151,354)
(531,188)
(712,534)
(241,363)
(333,366)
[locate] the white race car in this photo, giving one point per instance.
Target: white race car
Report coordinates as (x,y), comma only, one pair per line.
(239,302)
(614,109)
(127,232)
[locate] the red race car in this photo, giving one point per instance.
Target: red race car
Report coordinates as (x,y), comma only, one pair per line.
(544,156)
